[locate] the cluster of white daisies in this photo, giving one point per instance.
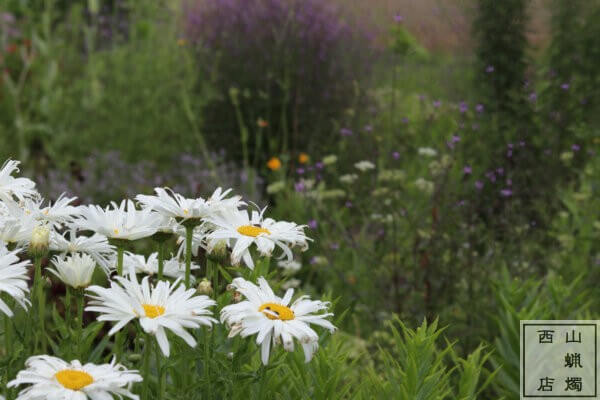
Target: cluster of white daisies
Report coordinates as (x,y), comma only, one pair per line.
(85,237)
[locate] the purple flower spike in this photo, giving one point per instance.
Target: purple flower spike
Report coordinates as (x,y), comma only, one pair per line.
(312,224)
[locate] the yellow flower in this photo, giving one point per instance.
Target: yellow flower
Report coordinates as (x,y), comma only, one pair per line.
(303,158)
(274,164)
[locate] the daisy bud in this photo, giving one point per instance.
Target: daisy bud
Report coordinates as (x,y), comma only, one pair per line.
(219,253)
(205,287)
(237,297)
(40,239)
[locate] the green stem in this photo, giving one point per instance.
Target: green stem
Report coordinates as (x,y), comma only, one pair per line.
(161,259)
(189,232)
(79,322)
(68,314)
(39,293)
(161,373)
(207,337)
(120,260)
(8,345)
(146,365)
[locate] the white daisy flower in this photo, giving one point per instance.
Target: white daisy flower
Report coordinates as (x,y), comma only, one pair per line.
(174,205)
(138,264)
(13,278)
(19,223)
(14,187)
(165,305)
(96,246)
(348,178)
(272,320)
(119,221)
(53,378)
(242,230)
(75,271)
(364,165)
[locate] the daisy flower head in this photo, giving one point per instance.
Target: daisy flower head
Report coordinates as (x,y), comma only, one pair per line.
(52,378)
(272,319)
(171,204)
(75,270)
(96,246)
(164,306)
(13,278)
(119,221)
(11,187)
(174,205)
(138,264)
(241,229)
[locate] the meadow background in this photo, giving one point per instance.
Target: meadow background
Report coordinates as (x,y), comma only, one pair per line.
(479,120)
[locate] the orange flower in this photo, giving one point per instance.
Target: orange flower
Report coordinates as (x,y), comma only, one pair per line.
(262,123)
(302,158)
(274,164)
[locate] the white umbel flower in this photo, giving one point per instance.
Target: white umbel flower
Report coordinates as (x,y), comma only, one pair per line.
(75,271)
(10,186)
(121,221)
(241,230)
(52,378)
(272,320)
(138,264)
(96,246)
(364,165)
(13,278)
(165,305)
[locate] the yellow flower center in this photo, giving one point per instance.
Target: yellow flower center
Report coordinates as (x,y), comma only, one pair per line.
(251,230)
(277,311)
(186,211)
(116,231)
(73,379)
(153,311)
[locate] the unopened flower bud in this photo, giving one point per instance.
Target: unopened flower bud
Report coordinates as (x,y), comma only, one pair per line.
(39,241)
(205,287)
(237,297)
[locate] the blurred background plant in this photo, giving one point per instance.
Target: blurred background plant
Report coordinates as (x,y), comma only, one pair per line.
(438,153)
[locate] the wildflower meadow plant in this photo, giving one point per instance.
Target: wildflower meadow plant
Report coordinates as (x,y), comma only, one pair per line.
(134,337)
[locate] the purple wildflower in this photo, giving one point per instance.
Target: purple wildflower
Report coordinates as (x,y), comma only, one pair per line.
(345,132)
(463,107)
(300,171)
(565,86)
(532,97)
(319,165)
(479,108)
(478,185)
(467,170)
(299,186)
(575,147)
(398,18)
(489,69)
(368,128)
(506,192)
(396,155)
(437,103)
(312,224)
(348,204)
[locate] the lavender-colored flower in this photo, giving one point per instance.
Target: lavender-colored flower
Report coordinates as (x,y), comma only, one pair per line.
(398,18)
(463,107)
(345,132)
(348,204)
(479,108)
(508,182)
(405,120)
(489,69)
(300,171)
(437,103)
(575,147)
(319,165)
(455,139)
(478,185)
(565,86)
(491,176)
(395,155)
(334,246)
(533,97)
(500,171)
(368,128)
(312,224)
(467,170)
(506,192)
(299,186)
